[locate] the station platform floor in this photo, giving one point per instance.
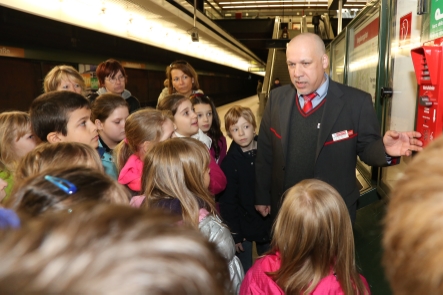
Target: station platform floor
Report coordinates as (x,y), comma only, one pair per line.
(367,227)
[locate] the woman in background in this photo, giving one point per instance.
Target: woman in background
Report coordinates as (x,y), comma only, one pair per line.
(112,78)
(64,77)
(183,79)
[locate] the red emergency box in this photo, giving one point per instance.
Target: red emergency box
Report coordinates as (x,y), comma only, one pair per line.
(428,64)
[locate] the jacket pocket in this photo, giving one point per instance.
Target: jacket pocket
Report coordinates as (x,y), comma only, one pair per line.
(332,141)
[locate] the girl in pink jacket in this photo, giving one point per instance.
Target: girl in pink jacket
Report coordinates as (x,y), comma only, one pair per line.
(312,249)
(143,129)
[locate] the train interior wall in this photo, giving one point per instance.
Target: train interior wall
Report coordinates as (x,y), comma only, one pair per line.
(47,43)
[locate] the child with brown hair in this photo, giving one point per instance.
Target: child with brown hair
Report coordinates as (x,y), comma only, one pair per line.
(63,116)
(57,155)
(209,123)
(186,125)
(59,189)
(16,140)
(312,247)
(176,179)
(109,249)
(109,113)
(237,202)
(143,130)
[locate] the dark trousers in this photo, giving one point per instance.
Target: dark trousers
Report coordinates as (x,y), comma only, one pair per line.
(246,256)
(353,212)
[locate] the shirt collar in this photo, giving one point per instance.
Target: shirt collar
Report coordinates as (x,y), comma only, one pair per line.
(322,90)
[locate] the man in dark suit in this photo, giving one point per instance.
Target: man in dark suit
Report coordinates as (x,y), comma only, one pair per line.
(317,129)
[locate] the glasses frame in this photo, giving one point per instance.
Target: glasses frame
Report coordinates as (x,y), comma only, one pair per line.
(114,80)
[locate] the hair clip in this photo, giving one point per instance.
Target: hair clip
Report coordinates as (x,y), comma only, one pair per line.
(63,184)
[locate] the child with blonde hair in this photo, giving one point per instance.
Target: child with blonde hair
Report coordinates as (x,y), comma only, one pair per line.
(64,77)
(16,140)
(186,125)
(143,129)
(312,248)
(57,155)
(109,112)
(176,179)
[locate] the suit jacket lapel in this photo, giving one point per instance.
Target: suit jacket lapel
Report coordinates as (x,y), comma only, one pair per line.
(333,106)
(286,107)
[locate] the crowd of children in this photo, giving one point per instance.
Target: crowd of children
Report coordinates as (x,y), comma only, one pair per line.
(71,169)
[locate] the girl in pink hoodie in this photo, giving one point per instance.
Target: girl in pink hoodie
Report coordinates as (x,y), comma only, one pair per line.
(143,129)
(312,248)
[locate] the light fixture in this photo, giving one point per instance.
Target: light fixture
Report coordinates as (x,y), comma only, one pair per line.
(124,19)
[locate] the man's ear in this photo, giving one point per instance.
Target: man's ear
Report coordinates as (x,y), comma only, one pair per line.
(98,124)
(325,61)
(53,137)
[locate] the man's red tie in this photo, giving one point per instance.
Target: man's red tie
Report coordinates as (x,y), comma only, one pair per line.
(307,107)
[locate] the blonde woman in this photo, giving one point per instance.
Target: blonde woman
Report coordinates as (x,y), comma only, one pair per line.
(312,248)
(64,77)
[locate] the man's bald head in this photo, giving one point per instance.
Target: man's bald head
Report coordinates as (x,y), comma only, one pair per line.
(313,41)
(307,61)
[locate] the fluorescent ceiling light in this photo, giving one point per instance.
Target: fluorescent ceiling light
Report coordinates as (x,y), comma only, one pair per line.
(258,2)
(166,28)
(277,6)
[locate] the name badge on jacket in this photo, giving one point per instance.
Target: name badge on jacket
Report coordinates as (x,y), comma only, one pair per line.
(342,135)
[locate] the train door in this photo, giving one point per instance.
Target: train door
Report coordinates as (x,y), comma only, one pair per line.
(363,59)
(399,110)
(337,55)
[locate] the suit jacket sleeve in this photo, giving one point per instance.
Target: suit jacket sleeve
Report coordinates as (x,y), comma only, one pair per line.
(229,200)
(370,147)
(263,161)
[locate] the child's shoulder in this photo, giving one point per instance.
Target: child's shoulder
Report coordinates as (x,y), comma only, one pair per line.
(269,262)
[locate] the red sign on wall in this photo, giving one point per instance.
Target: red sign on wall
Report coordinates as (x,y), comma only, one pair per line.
(405,27)
(367,33)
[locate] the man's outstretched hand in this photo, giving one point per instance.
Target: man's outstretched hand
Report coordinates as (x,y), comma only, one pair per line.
(402,143)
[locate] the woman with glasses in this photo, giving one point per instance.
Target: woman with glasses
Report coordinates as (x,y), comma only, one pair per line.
(112,78)
(183,79)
